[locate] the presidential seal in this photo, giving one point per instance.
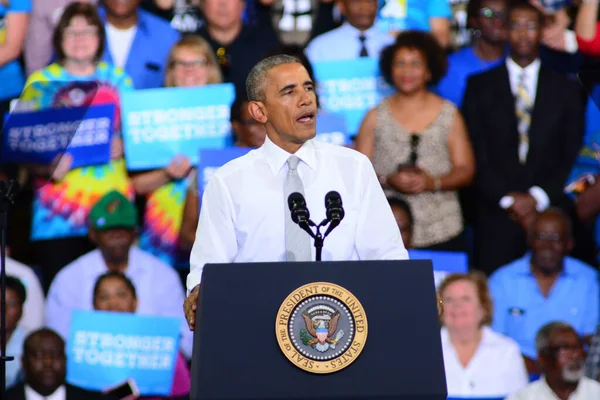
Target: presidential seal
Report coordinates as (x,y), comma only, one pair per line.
(321,327)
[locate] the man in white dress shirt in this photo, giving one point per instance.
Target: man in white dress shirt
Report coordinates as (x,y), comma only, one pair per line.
(244,215)
(561,358)
(357,37)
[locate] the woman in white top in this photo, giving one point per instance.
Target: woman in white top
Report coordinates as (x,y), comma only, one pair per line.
(478,361)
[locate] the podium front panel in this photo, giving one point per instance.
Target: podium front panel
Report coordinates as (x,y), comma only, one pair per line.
(237,355)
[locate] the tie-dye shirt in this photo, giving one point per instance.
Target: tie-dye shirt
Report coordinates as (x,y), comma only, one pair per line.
(162,223)
(60,209)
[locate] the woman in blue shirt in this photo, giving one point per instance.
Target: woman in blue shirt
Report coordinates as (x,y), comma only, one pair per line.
(14,17)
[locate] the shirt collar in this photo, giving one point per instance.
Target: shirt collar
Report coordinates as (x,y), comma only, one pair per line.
(277,157)
(526,267)
(59,394)
(516,70)
(353,32)
(142,23)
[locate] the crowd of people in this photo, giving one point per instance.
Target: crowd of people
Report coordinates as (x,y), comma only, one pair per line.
(477,151)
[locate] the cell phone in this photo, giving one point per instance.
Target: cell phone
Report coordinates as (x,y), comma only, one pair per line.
(127,390)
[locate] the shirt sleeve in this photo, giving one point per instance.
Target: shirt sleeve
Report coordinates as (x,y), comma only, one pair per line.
(590,47)
(215,236)
(171,295)
(500,309)
(591,316)
(19,6)
(33,311)
(515,377)
(62,299)
(377,233)
(439,9)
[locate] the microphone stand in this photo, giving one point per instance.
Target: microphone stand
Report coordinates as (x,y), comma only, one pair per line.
(7,198)
(318,237)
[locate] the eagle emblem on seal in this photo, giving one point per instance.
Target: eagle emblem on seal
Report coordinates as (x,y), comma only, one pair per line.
(321,325)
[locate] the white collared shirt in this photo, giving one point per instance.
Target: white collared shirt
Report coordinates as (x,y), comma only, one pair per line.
(497,368)
(243,208)
(532,72)
(587,389)
(58,394)
(343,44)
(158,288)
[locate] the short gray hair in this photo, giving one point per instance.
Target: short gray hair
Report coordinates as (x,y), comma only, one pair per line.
(256,78)
(542,338)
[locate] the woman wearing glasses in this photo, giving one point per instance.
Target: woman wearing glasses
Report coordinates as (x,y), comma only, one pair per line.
(418,142)
(191,63)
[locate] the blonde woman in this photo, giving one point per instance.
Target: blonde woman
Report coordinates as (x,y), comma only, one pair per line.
(191,63)
(478,361)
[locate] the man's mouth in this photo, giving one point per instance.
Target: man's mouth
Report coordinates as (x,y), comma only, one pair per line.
(306,117)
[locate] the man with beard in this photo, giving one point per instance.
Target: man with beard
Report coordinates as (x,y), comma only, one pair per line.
(45,370)
(560,354)
(112,223)
(543,286)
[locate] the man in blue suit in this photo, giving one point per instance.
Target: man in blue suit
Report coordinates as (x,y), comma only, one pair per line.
(137,41)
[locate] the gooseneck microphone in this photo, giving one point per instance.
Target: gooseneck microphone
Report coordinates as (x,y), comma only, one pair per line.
(334,213)
(298,209)
(334,210)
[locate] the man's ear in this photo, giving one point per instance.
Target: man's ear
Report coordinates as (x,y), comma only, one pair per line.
(92,236)
(258,111)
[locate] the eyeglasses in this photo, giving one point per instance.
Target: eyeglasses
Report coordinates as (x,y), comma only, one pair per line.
(200,62)
(84,33)
(491,14)
(563,349)
(529,26)
(549,237)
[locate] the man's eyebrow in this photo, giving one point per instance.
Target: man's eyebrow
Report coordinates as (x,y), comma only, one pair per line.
(309,82)
(288,87)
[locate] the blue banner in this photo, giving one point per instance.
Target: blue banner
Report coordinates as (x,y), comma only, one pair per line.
(210,160)
(38,137)
(444,262)
(331,128)
(350,88)
(159,124)
(106,349)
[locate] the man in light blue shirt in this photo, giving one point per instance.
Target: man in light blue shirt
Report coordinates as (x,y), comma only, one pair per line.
(544,286)
(357,37)
(137,42)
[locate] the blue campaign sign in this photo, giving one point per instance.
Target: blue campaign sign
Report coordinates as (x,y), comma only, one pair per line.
(159,124)
(331,128)
(210,160)
(38,137)
(107,348)
(350,88)
(444,262)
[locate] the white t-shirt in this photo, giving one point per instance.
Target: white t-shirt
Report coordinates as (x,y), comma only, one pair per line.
(497,368)
(119,43)
(587,389)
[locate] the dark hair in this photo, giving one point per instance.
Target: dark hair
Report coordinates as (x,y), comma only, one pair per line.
(526,5)
(424,42)
(41,332)
(403,205)
(76,9)
(114,274)
(236,106)
(297,52)
(17,286)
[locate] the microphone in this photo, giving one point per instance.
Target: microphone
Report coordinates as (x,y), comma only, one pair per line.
(334,211)
(297,205)
(333,206)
